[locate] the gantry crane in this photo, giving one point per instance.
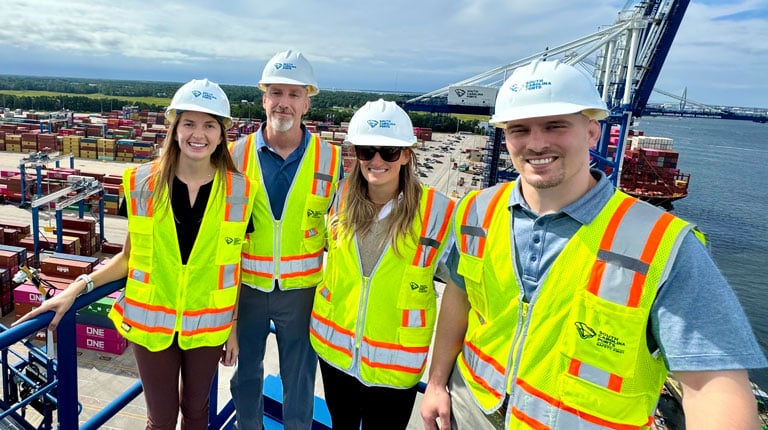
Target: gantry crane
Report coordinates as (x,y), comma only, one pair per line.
(624,58)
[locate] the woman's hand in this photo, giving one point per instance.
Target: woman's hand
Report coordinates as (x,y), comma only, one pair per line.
(231,348)
(59,303)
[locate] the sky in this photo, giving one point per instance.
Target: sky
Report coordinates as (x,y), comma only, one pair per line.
(720,54)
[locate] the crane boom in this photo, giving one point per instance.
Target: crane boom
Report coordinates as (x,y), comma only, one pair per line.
(624,58)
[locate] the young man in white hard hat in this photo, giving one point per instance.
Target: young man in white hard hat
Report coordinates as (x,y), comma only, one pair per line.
(387,233)
(570,301)
(297,174)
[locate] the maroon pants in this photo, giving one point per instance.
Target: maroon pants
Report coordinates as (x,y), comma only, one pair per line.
(159,373)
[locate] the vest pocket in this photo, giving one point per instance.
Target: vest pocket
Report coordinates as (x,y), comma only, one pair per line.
(230,242)
(322,304)
(415,337)
(417,289)
(471,268)
(141,232)
(604,334)
(633,409)
(223,298)
(417,304)
(313,223)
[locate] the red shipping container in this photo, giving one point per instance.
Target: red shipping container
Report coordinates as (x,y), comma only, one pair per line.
(69,269)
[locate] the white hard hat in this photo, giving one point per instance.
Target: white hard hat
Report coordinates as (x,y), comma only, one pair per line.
(546,88)
(292,68)
(380,123)
(200,95)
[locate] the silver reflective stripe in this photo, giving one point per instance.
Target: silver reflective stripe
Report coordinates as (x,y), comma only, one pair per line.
(237,199)
(139,275)
(595,375)
(399,357)
(485,371)
(323,177)
(337,340)
(238,152)
(326,293)
(634,230)
(623,258)
(414,318)
(471,231)
(206,322)
(546,415)
(435,223)
(141,195)
(228,275)
(151,320)
(297,266)
(254,266)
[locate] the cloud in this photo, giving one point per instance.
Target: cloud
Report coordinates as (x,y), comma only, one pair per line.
(401,45)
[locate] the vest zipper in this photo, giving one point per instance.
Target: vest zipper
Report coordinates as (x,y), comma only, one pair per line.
(360,325)
(519,342)
(276,253)
(180,294)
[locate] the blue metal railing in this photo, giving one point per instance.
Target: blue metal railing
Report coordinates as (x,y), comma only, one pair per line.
(60,390)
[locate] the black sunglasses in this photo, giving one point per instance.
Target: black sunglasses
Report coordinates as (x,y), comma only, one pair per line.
(387,153)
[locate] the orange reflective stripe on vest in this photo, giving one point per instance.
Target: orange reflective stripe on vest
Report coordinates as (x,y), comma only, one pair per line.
(434,225)
(326,165)
(471,236)
(331,334)
(391,356)
(142,185)
(534,408)
(629,253)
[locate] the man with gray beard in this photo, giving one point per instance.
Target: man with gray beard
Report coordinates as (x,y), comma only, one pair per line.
(282,262)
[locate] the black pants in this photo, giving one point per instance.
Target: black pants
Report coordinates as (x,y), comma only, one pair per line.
(350,402)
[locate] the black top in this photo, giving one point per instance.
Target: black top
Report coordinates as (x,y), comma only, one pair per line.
(188,219)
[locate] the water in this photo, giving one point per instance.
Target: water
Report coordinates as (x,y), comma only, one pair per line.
(728,199)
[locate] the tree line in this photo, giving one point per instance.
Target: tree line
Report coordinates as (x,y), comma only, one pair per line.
(77,95)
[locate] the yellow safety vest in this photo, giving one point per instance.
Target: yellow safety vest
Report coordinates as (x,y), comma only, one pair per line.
(379,328)
(162,296)
(576,356)
(290,249)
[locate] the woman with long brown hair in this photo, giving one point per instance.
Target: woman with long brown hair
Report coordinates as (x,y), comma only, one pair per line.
(188,213)
(374,313)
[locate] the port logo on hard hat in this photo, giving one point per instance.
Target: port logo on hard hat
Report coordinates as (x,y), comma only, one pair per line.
(535,84)
(285,66)
(384,123)
(205,94)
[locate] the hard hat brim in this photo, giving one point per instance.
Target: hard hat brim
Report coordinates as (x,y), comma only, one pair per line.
(373,140)
(171,113)
(547,109)
(312,90)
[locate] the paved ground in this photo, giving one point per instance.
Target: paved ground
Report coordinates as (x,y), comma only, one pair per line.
(102,376)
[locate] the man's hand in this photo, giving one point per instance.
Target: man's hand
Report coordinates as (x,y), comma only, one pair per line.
(436,405)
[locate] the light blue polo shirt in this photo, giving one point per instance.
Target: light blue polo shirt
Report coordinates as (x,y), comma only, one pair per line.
(696,322)
(277,173)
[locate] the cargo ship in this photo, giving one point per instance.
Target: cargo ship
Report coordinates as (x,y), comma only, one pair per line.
(649,169)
